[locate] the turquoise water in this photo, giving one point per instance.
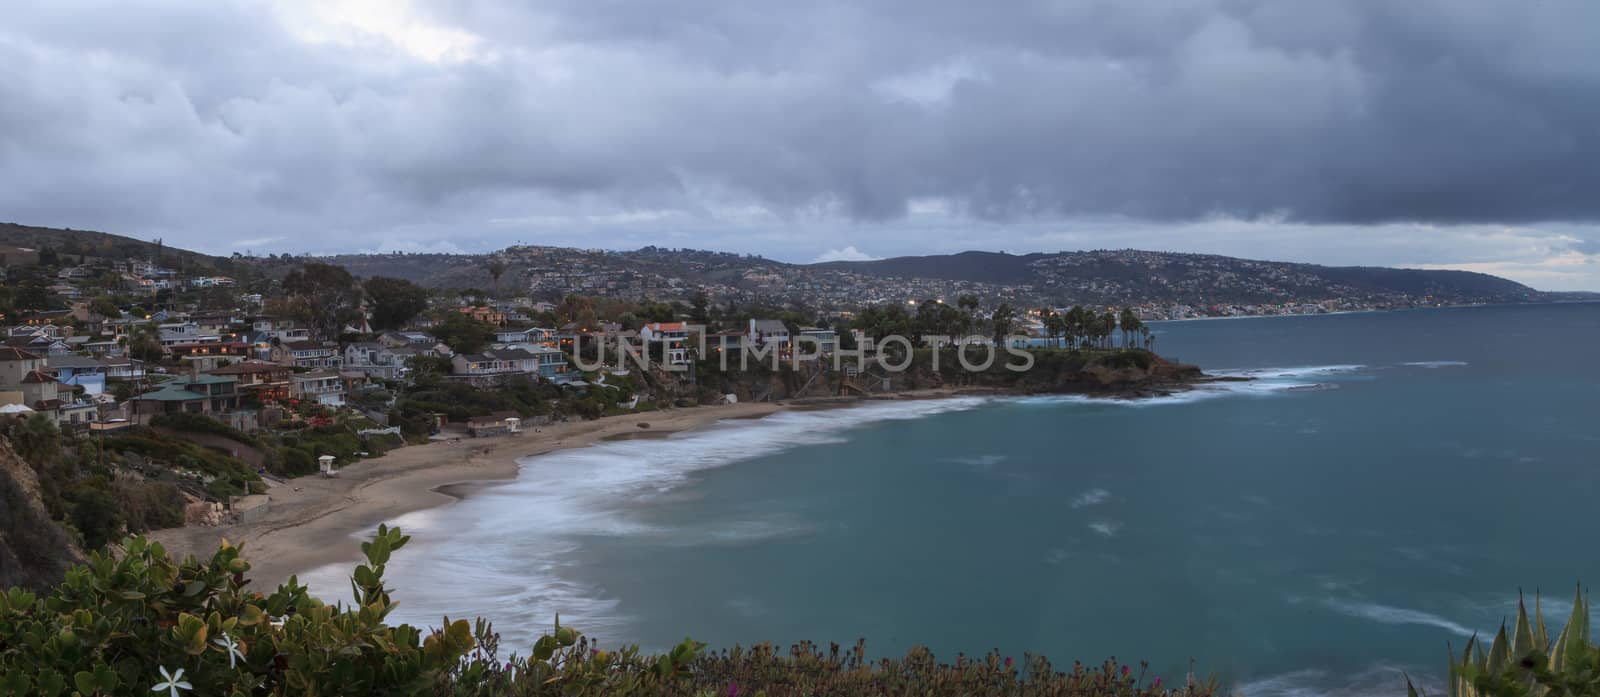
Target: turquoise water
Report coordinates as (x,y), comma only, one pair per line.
(1386,486)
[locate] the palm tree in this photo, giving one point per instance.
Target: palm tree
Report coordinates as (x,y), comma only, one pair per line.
(1130,324)
(969,304)
(1002,319)
(496,269)
(1047,318)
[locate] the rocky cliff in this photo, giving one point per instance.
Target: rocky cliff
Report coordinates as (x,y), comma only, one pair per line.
(34,551)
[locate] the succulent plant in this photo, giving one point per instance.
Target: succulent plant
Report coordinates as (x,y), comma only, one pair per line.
(1526,663)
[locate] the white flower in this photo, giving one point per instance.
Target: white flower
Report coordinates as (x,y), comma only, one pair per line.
(174,682)
(227,642)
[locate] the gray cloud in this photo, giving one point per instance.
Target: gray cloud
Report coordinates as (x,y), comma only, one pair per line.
(746,123)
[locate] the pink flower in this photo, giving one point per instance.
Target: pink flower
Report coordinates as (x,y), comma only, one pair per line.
(1125,671)
(1156,684)
(733,689)
(1008,661)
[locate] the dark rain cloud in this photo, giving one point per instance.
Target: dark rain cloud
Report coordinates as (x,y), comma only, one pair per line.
(206,118)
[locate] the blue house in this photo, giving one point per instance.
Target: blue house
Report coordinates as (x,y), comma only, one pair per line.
(82,371)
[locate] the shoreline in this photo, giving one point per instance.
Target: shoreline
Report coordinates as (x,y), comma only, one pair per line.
(312,519)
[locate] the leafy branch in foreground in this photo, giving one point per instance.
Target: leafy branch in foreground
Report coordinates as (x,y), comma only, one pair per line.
(141,624)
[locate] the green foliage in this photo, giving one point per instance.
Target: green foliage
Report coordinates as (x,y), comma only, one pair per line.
(34,551)
(128,625)
(458,401)
(394,301)
(200,423)
(323,296)
(295,461)
(229,475)
(36,439)
(104,306)
(1526,663)
(463,334)
(1129,358)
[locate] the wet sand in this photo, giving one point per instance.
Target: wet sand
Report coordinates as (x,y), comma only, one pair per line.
(312,518)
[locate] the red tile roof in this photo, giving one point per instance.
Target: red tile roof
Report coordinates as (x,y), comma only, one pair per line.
(12,353)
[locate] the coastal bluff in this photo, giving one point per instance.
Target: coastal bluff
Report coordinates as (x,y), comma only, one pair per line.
(1127,373)
(34,552)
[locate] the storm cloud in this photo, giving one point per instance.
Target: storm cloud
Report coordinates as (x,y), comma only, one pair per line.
(793,129)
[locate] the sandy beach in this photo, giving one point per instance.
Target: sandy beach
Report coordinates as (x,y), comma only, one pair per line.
(312,518)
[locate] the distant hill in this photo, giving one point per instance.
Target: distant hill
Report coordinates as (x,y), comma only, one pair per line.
(979,267)
(1100,277)
(1183,277)
(98,245)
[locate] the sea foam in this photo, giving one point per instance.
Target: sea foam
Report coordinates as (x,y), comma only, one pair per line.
(506,552)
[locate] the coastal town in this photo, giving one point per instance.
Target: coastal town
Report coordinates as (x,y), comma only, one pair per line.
(1158,285)
(200,385)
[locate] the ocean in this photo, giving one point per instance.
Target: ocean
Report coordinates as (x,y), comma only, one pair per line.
(1385,486)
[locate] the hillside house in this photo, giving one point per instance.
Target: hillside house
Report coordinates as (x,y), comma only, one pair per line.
(78,371)
(672,338)
(827,339)
(311,355)
(221,392)
(377,360)
(771,333)
(323,387)
(267,381)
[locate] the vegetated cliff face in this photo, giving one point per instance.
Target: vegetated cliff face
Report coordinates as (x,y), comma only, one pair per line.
(1124,374)
(34,551)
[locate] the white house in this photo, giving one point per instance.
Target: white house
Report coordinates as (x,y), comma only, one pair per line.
(376,360)
(673,337)
(769,332)
(321,386)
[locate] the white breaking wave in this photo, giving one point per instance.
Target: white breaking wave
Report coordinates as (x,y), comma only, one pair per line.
(1436,364)
(504,553)
(982,461)
(1106,528)
(1263,382)
(1280,373)
(1091,497)
(1386,614)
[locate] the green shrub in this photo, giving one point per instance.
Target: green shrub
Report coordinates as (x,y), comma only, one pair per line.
(140,622)
(235,476)
(199,423)
(294,461)
(1129,358)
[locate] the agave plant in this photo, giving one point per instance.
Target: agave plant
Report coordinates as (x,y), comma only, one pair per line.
(1528,664)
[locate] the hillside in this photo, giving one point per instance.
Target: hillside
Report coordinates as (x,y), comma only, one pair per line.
(34,551)
(1101,277)
(100,245)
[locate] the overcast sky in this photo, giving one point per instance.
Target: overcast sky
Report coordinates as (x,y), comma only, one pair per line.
(1449,133)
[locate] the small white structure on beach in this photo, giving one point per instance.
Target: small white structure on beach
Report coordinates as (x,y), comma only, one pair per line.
(325,463)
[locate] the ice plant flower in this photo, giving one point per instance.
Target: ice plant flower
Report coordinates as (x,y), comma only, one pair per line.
(733,689)
(173,682)
(231,646)
(1125,671)
(1157,683)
